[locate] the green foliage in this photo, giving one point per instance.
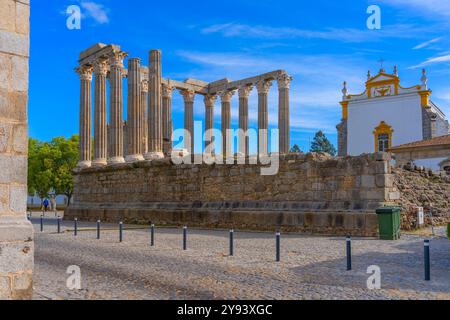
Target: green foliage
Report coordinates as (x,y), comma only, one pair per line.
(321,144)
(50,166)
(295,149)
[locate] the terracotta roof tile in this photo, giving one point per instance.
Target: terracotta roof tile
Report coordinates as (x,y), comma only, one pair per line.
(438,141)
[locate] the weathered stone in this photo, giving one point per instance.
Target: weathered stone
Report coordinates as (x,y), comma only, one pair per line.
(7,21)
(367,181)
(19,68)
(13,43)
(18,198)
(22,17)
(16,233)
(205,189)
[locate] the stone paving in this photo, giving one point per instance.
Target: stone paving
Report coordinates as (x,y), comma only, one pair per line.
(310,268)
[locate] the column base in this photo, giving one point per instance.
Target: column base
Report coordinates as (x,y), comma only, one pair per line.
(99,163)
(154,155)
(84,164)
(134,158)
(116,160)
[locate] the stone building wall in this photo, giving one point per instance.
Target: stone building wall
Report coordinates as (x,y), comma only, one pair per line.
(16,246)
(312,193)
(420,188)
(342,138)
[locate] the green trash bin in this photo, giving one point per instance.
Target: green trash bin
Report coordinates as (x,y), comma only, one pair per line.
(389,222)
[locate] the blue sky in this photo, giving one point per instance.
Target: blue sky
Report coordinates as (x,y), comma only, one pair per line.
(321,43)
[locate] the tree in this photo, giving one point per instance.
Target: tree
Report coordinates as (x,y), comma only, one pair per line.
(40,164)
(50,166)
(67,150)
(321,144)
(295,149)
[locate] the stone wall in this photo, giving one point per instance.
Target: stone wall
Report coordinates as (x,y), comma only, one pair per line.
(310,193)
(420,188)
(16,246)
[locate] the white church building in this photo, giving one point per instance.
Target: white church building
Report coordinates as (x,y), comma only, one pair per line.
(387,115)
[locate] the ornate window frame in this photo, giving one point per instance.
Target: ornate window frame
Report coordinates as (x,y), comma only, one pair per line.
(383,128)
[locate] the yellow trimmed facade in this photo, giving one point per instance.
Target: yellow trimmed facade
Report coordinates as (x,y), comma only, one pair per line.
(387,114)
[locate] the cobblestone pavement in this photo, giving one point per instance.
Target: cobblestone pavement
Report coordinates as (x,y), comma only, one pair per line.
(310,268)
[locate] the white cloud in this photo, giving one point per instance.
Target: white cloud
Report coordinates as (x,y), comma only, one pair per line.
(339,34)
(427,43)
(315,90)
(430,61)
(432,8)
(95,11)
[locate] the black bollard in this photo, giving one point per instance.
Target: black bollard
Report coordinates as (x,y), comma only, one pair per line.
(349,253)
(42,223)
(152,235)
(120,231)
(427,260)
(98,229)
(278,244)
(231,242)
(185,238)
(59,224)
(75,229)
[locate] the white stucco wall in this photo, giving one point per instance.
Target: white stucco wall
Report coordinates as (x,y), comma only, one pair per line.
(403,113)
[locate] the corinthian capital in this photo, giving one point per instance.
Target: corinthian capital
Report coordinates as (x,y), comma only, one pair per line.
(144,85)
(188,95)
(101,67)
(226,96)
(85,72)
(284,81)
(244,90)
(263,86)
(167,91)
(209,100)
(116,59)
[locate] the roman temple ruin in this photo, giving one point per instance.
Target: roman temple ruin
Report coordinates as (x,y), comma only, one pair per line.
(147,132)
(132,177)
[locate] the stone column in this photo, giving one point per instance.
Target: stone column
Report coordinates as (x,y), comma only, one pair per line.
(155,146)
(189,96)
(116,107)
(226,124)
(144,115)
(244,92)
(16,232)
(85,73)
(134,112)
(263,87)
(284,83)
(167,125)
(209,121)
(100,129)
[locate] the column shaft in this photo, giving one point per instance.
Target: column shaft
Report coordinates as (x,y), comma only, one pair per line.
(116,108)
(283,112)
(227,152)
(167,125)
(100,129)
(144,115)
(209,122)
(155,146)
(85,73)
(134,112)
(263,87)
(244,92)
(189,120)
